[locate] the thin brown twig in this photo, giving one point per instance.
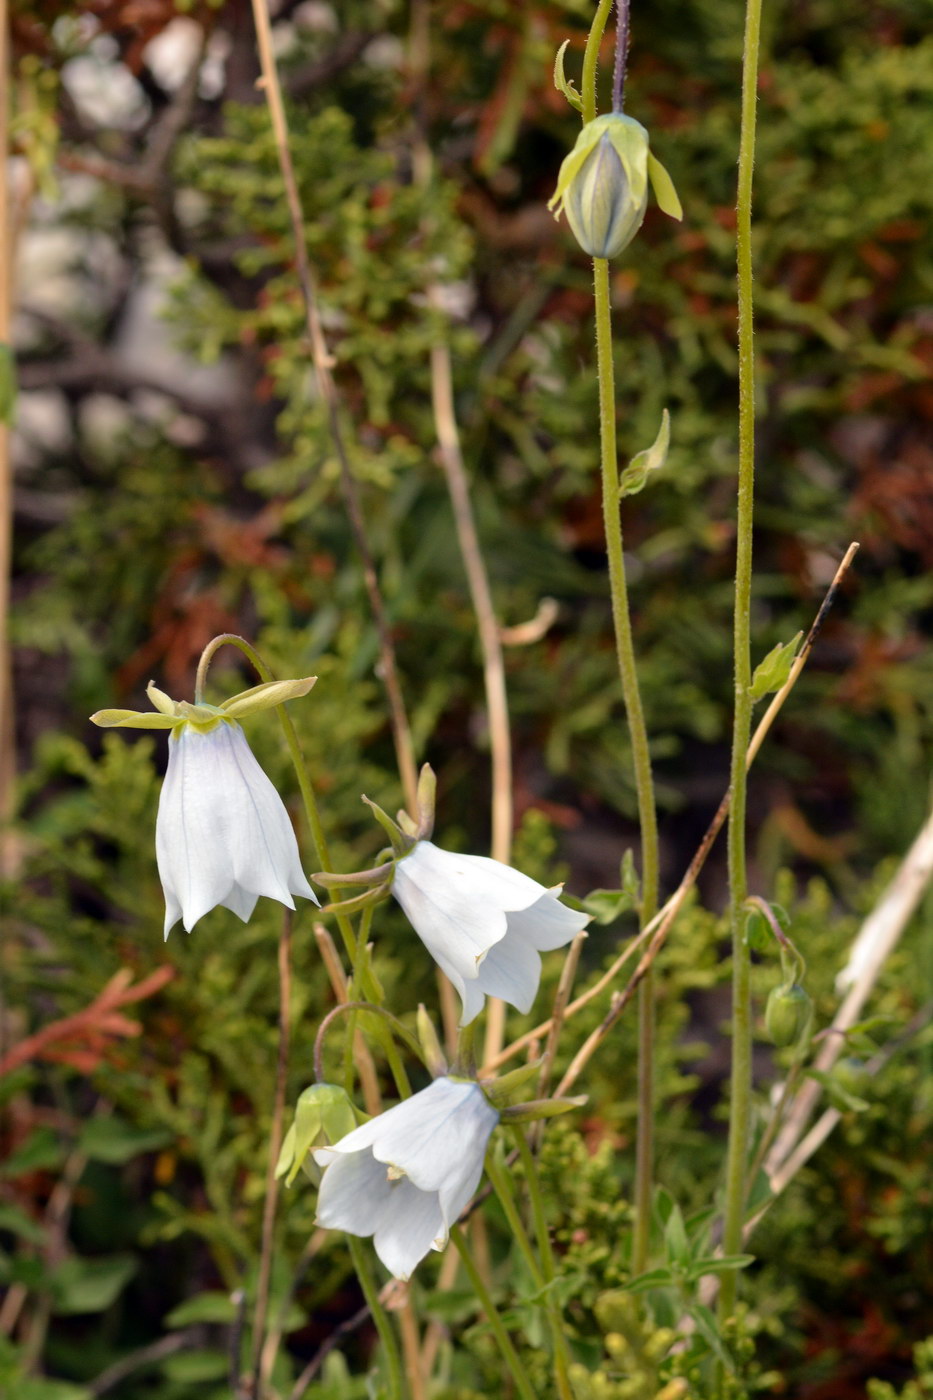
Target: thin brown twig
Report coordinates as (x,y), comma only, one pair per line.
(322,1353)
(660,925)
(322,360)
(275,1145)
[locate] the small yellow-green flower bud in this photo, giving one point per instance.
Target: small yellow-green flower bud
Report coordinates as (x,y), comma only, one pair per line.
(788,1015)
(603,185)
(323,1115)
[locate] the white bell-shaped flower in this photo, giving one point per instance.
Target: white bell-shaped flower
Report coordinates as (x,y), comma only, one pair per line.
(223,835)
(405,1176)
(484,923)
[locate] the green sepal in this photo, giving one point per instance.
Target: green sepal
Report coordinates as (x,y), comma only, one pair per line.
(360,901)
(434,1056)
(630,142)
(265,696)
(536,1109)
(663,187)
(635,476)
(772,673)
(562,83)
(500,1091)
(427,798)
(135,719)
(160,701)
(374,876)
(323,1115)
(401,844)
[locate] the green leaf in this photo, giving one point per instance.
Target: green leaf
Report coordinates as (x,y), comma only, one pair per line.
(675,1239)
(41,1151)
(706,1326)
(212,1306)
(635,476)
(39,1388)
(605,906)
(90,1285)
(719,1264)
(190,1367)
(16,1222)
(114,1141)
(654,1278)
(772,673)
(562,83)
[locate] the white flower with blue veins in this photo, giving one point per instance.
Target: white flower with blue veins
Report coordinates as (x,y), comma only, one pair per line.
(223,836)
(405,1176)
(485,924)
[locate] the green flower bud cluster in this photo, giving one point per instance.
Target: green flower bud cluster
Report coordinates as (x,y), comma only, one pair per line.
(603,185)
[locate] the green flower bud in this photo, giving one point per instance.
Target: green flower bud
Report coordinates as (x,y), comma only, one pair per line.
(323,1115)
(788,1015)
(603,185)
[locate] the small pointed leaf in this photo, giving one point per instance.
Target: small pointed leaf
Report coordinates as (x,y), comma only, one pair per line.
(663,187)
(562,83)
(635,476)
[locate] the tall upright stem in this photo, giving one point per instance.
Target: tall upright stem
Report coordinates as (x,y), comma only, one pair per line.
(741,1087)
(401,730)
(641,756)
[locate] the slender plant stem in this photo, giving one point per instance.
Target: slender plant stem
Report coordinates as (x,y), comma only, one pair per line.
(509,1355)
(548,1268)
(380,1318)
(591,58)
(641,755)
(741,1086)
(401,730)
(275,1145)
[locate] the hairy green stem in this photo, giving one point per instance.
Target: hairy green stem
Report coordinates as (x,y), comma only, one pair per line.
(509,1355)
(591,59)
(641,755)
(380,1318)
(741,1087)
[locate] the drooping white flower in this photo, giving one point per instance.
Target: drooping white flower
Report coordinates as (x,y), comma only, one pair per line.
(405,1176)
(484,923)
(223,835)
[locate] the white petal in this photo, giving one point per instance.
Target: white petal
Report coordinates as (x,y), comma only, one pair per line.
(241,902)
(438,1134)
(473,998)
(355,1193)
(547,924)
(512,971)
(223,835)
(409,1228)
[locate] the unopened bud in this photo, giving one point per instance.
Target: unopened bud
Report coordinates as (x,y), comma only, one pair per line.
(323,1115)
(788,1015)
(603,185)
